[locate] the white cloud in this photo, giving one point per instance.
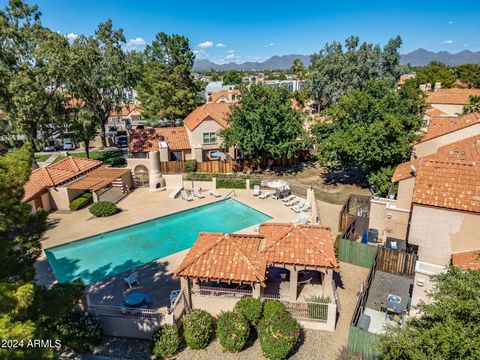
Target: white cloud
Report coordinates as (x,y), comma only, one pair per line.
(230,51)
(221,45)
(447,42)
(466,45)
(206,44)
(71,36)
(136,44)
(451,23)
(269,45)
(230,56)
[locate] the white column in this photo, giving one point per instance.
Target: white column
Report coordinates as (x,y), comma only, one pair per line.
(293,283)
(327,286)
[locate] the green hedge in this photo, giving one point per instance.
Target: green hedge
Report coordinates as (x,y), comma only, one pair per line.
(103,209)
(198,329)
(232,331)
(272,308)
(225,181)
(278,336)
(165,342)
(251,308)
(190,166)
(79,331)
(81,201)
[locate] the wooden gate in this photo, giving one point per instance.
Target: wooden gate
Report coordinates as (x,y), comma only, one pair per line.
(396,262)
(356,253)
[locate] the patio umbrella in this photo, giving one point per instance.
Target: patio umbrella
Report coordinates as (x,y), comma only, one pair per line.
(217,154)
(313,204)
(277,185)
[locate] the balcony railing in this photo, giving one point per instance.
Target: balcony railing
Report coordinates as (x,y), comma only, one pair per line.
(220,291)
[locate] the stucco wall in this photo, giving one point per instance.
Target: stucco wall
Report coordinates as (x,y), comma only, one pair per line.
(439,233)
(431,146)
(214,305)
(405,193)
(62,196)
(196,136)
(46,202)
(173,181)
(388,219)
(132,163)
(449,109)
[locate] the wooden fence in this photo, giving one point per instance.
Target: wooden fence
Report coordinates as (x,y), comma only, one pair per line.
(215,167)
(357,253)
(396,262)
(172,167)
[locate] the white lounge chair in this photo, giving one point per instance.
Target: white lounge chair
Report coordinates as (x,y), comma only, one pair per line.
(132,279)
(303,208)
(301,219)
(294,201)
(197,193)
(300,205)
(264,195)
(214,193)
(288,198)
(185,196)
(256,190)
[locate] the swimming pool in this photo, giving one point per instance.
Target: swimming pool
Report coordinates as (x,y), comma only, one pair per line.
(100,256)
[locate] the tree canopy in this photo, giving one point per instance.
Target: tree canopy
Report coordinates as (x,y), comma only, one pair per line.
(470,73)
(232,77)
(435,72)
(167,88)
(337,69)
(448,327)
(31,72)
(473,105)
(371,128)
(264,125)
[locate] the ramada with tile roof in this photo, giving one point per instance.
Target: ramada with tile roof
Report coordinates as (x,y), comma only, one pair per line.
(54,186)
(242,258)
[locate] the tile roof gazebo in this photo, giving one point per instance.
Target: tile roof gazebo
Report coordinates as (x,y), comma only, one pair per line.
(226,267)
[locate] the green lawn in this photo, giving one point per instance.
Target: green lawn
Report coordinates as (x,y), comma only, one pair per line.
(42,158)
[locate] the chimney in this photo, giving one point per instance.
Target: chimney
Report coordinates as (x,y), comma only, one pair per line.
(423,87)
(429,87)
(230,95)
(438,86)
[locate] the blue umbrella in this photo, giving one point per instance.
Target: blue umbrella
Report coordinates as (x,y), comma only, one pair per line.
(217,154)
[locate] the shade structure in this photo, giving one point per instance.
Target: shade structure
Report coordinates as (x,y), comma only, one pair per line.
(277,184)
(217,154)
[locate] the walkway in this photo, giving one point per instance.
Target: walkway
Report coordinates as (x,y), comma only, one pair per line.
(50,160)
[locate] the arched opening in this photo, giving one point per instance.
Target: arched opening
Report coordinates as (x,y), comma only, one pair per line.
(141,175)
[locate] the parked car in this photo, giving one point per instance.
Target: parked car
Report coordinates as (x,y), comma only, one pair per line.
(51,146)
(68,145)
(112,131)
(121,142)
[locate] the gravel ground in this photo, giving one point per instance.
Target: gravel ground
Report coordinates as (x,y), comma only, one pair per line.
(316,345)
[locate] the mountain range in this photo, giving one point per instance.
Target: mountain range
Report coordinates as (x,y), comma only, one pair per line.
(419,57)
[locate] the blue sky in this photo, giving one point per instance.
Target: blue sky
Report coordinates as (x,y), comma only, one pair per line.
(246,30)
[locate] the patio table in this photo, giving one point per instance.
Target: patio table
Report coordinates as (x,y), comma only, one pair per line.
(134,298)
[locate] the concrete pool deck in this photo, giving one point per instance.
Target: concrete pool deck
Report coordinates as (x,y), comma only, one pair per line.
(142,205)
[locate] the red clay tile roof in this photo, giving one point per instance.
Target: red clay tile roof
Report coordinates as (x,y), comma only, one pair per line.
(210,111)
(454,96)
(305,245)
(219,256)
(466,151)
(244,258)
(125,110)
(147,140)
(467,260)
(433,111)
(55,174)
(439,126)
(217,95)
(448,185)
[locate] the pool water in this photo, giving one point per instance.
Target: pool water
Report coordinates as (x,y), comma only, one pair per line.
(108,254)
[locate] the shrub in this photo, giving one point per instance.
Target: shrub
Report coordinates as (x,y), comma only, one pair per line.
(197,329)
(272,308)
(232,331)
(103,209)
(79,331)
(278,335)
(231,183)
(116,162)
(165,342)
(251,308)
(190,166)
(81,201)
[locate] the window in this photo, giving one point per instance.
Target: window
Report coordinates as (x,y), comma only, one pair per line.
(209,138)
